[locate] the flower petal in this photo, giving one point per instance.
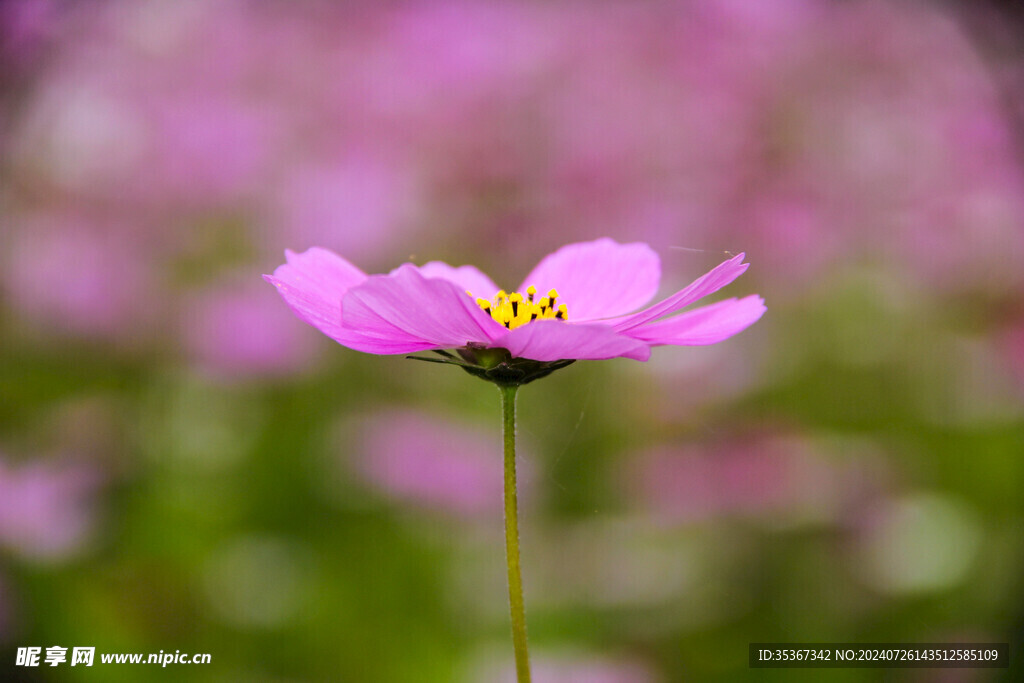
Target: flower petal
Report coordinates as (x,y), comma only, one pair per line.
(710,282)
(406,304)
(467,277)
(704,325)
(313,283)
(549,340)
(598,279)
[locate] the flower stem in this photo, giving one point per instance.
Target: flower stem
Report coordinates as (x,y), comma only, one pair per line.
(515,577)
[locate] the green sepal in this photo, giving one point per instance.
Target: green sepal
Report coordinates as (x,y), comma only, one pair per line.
(497,365)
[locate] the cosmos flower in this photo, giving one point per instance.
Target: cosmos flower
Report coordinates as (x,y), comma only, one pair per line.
(579,303)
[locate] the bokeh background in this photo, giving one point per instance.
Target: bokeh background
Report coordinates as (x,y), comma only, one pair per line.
(186,466)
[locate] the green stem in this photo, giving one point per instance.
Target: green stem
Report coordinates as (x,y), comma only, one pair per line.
(515,577)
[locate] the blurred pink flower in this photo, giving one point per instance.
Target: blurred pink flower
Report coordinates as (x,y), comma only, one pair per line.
(752,477)
(358,205)
(46,507)
(24,27)
(435,463)
(75,276)
(579,669)
(598,283)
(209,149)
(792,236)
(235,330)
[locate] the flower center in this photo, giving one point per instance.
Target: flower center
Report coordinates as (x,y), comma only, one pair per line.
(513,310)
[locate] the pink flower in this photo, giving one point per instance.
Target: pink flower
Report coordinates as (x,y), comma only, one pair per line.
(592,287)
(211,322)
(435,463)
(573,667)
(46,508)
(71,273)
(764,476)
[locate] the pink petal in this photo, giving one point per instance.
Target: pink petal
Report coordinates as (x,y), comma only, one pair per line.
(598,279)
(404,305)
(548,340)
(704,325)
(467,277)
(710,282)
(313,284)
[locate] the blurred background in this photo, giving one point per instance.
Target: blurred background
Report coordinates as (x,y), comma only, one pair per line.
(184,465)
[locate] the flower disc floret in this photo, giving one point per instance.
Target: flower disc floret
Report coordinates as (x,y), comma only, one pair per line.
(513,310)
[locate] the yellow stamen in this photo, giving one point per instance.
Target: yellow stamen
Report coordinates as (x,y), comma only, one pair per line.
(513,310)
(515,299)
